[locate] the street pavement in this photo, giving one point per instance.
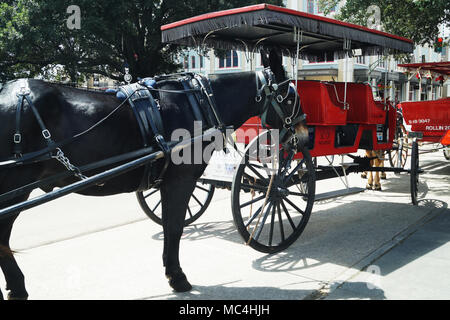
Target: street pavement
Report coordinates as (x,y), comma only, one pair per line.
(371,245)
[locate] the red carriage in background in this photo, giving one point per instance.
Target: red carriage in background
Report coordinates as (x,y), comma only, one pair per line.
(429,120)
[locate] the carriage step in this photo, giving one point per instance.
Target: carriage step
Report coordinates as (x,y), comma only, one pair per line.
(338,193)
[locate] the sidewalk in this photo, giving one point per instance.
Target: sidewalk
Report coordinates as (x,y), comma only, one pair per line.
(417,267)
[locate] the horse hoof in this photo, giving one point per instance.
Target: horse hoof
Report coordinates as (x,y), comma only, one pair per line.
(383,177)
(368,186)
(12,297)
(179,282)
(364,175)
(377,188)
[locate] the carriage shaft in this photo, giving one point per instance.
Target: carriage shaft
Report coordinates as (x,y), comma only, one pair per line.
(101,177)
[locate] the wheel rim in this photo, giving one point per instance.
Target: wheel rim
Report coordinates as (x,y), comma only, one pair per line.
(150,202)
(270,222)
(399,156)
(414,173)
(447,153)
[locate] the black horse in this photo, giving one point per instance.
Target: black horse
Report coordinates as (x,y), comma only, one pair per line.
(67,111)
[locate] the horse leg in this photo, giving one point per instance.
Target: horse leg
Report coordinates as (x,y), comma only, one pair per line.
(364,174)
(15,280)
(378,163)
(369,184)
(383,174)
(175,195)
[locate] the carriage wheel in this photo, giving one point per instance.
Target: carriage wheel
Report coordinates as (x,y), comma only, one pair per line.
(399,156)
(271,221)
(447,153)
(150,202)
(414,172)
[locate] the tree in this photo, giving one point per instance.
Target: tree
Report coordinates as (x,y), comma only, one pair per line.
(417,20)
(34,35)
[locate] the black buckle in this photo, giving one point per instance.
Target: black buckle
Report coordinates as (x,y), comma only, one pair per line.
(162,144)
(17,138)
(46,134)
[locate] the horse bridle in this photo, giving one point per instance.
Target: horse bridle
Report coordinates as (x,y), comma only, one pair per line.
(269,92)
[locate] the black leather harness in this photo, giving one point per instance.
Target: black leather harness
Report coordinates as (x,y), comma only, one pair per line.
(24,95)
(144,101)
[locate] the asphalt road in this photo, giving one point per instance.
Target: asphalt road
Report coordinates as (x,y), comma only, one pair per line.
(371,245)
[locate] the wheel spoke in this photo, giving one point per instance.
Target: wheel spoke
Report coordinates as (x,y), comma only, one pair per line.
(254,180)
(157,205)
(254,186)
(293,205)
(297,167)
(280,220)
(201,188)
(263,222)
(250,166)
(253,217)
(253,201)
(298,194)
(286,211)
(271,226)
(190,212)
(198,201)
(151,193)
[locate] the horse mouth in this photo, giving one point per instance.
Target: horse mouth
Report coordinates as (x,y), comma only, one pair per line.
(302,134)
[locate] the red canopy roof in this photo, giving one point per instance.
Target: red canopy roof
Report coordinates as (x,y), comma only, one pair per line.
(437,67)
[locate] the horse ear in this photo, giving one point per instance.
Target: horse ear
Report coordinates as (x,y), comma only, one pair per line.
(276,65)
(264,58)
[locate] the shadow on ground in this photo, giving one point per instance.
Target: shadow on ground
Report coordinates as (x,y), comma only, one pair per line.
(230,292)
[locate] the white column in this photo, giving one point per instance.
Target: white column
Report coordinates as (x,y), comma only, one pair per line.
(408,86)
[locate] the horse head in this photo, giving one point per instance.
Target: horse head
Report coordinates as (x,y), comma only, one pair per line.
(284,111)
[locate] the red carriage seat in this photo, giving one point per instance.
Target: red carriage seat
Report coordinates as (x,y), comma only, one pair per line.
(363,109)
(320,104)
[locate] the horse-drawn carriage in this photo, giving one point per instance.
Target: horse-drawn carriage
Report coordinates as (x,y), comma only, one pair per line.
(431,118)
(283,122)
(342,117)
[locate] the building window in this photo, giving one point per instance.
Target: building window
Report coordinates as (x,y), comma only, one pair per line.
(327,57)
(310,6)
(186,62)
(201,62)
(231,60)
(193,62)
(361,59)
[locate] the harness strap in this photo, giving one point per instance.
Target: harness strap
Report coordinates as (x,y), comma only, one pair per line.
(193,100)
(139,113)
(211,108)
(150,123)
(17,150)
(24,95)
